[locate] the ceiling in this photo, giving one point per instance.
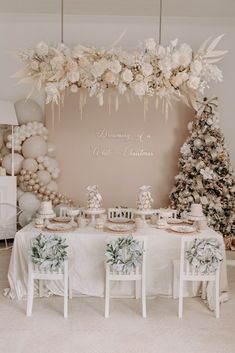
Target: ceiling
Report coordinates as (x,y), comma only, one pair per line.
(189,8)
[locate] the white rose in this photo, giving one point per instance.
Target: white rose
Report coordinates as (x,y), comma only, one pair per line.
(196,67)
(139,77)
(115,66)
(160,51)
(185,55)
(147,69)
(165,65)
(42,49)
(99,67)
(150,44)
(139,88)
(127,76)
(57,62)
(193,82)
(74,88)
(109,77)
(73,76)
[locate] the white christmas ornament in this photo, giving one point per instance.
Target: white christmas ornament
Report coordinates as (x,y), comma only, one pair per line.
(34,146)
(27,111)
(18,160)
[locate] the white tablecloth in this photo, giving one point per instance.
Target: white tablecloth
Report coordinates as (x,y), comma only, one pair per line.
(86,261)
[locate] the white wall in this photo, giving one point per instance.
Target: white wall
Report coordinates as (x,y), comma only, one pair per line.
(22,31)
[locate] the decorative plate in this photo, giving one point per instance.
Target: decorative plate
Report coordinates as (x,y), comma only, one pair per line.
(183,229)
(120,227)
(175,221)
(58,227)
(62,219)
(121,220)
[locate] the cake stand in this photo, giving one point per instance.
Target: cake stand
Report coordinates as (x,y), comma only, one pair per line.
(93,213)
(196,219)
(143,213)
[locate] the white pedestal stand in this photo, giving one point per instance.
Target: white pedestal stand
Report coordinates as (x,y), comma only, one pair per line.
(93,214)
(143,213)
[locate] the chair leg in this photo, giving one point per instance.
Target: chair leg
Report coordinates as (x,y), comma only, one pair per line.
(180,312)
(70,287)
(204,286)
(137,289)
(41,285)
(66,296)
(143,298)
(107,296)
(30,295)
(217,303)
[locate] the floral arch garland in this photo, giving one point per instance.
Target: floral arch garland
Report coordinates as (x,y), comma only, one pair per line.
(170,73)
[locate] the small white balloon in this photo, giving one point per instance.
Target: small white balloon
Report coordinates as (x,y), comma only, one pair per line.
(25,218)
(18,160)
(44,176)
(34,146)
(52,186)
(28,110)
(29,202)
(30,164)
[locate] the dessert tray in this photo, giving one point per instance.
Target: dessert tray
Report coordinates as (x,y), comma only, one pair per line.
(58,227)
(183,229)
(61,219)
(120,228)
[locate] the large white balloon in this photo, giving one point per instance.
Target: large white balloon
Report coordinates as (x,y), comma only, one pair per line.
(34,147)
(5,151)
(52,186)
(19,192)
(44,176)
(51,149)
(28,110)
(25,218)
(30,164)
(29,202)
(18,160)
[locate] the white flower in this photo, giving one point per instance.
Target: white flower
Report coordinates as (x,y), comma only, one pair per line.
(146,69)
(57,63)
(122,88)
(115,66)
(185,149)
(127,76)
(150,44)
(139,88)
(109,77)
(73,76)
(185,55)
(160,51)
(179,78)
(207,173)
(139,77)
(193,82)
(74,88)
(42,49)
(165,65)
(196,67)
(52,93)
(99,67)
(34,65)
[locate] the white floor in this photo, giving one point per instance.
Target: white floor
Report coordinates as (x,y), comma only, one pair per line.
(86,330)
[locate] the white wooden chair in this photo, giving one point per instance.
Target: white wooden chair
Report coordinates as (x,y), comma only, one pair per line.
(120,214)
(187,273)
(138,275)
(166,213)
(63,211)
(35,273)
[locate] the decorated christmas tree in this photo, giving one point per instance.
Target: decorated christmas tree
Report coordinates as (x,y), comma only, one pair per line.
(205,173)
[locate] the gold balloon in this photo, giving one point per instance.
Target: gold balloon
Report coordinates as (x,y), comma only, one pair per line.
(52,197)
(42,190)
(47,192)
(36,187)
(45,198)
(40,196)
(26,177)
(34,176)
(56,200)
(31,182)
(23,172)
(21,178)
(29,188)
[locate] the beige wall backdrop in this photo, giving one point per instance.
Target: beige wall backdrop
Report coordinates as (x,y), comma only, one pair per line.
(119,151)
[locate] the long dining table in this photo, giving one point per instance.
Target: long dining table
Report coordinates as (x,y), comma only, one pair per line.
(86,262)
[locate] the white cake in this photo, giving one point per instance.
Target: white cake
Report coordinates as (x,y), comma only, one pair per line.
(196,210)
(46,208)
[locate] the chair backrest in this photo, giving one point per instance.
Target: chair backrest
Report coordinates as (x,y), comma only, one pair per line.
(120,213)
(142,240)
(166,213)
(192,267)
(63,211)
